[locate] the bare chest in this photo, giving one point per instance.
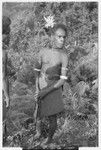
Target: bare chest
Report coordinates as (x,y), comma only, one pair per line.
(51,58)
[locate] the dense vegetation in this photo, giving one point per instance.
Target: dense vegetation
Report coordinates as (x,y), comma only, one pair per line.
(28,35)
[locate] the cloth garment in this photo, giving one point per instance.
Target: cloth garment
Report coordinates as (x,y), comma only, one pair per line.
(52,103)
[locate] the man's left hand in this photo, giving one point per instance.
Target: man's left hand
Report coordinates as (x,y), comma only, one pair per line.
(45,91)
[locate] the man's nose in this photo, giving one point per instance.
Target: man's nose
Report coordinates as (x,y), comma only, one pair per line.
(62,39)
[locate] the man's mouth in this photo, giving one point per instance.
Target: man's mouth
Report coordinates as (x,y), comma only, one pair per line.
(61,44)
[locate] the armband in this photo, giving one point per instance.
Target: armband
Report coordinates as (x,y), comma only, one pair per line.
(37,69)
(63,68)
(63,77)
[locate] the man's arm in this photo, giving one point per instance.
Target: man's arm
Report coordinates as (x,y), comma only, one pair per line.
(63,72)
(6,91)
(5,79)
(37,70)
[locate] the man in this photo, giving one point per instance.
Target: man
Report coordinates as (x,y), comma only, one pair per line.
(51,71)
(5,43)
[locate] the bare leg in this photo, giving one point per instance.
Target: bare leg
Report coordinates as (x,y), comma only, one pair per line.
(52,129)
(52,126)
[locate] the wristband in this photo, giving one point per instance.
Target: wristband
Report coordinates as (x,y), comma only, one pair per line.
(63,77)
(63,68)
(37,69)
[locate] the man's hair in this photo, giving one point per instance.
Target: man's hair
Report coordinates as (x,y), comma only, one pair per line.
(59,26)
(6,21)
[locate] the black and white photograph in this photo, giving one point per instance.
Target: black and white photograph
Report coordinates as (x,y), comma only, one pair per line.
(50,52)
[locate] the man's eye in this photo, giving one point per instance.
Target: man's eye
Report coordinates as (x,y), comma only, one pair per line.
(62,37)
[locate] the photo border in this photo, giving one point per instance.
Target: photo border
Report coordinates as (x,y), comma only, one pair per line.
(99,68)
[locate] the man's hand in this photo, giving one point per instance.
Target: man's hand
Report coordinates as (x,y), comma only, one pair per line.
(45,91)
(42,94)
(7,100)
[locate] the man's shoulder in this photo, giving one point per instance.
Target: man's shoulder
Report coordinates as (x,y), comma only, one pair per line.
(64,57)
(43,51)
(64,54)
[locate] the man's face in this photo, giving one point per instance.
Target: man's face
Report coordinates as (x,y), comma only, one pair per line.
(59,38)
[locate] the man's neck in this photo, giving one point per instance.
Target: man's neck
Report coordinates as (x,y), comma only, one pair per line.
(56,49)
